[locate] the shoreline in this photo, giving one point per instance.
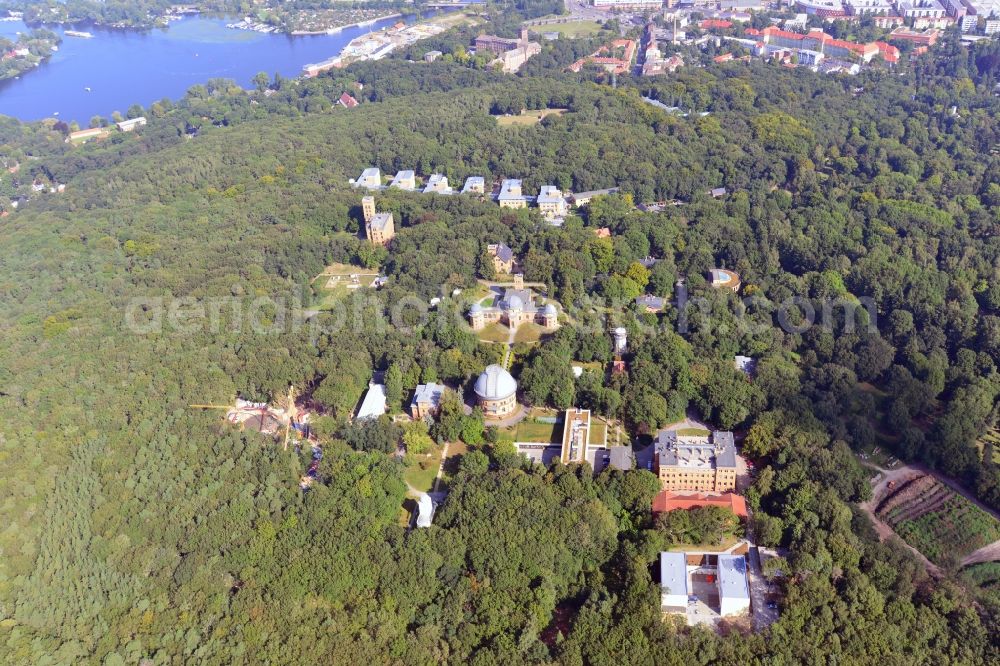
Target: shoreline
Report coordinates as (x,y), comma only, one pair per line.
(340,28)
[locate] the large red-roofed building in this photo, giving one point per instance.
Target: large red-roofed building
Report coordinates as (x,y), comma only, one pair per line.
(672,500)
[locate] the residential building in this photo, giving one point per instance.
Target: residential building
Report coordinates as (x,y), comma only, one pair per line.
(404,180)
(551,203)
(438,184)
(347,101)
(721,278)
(503,257)
(510,194)
(374,404)
(426,400)
(734,590)
(431,56)
(616,57)
(695,462)
(925,38)
(814,40)
(991,27)
(515,307)
(131,124)
(822,8)
(912,9)
(868,7)
(576,436)
(668,500)
(474,185)
(673,583)
(379,227)
(496,392)
(371,179)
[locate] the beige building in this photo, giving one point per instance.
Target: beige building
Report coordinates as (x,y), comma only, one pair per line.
(696,463)
(379,227)
(551,203)
(722,278)
(516,307)
(496,392)
(510,194)
(503,257)
(426,400)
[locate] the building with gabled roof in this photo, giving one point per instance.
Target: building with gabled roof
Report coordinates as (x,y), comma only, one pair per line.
(371,179)
(503,257)
(438,184)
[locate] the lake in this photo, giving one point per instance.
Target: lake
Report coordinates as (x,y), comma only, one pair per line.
(124,67)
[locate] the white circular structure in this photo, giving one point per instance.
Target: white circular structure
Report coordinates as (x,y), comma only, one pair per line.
(496,392)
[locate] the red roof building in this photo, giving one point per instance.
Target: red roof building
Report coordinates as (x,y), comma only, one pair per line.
(347,101)
(673,500)
(725,57)
(715,24)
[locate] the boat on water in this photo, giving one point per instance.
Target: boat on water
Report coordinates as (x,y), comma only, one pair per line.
(87,88)
(78,33)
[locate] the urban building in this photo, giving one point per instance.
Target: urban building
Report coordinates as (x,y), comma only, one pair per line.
(913,9)
(431,56)
(404,180)
(616,57)
(379,227)
(630,4)
(551,203)
(426,400)
(814,40)
(868,7)
(584,198)
(516,307)
(511,53)
(503,257)
(621,458)
(924,38)
(510,194)
(496,392)
(695,462)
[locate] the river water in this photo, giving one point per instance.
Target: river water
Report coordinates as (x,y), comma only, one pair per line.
(124,67)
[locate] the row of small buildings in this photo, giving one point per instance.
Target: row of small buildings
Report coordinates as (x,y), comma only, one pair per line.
(550,200)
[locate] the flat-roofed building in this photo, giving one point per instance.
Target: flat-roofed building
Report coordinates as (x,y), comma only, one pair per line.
(551,203)
(510,194)
(576,436)
(583,198)
(132,123)
(673,583)
(474,185)
(722,278)
(734,590)
(696,463)
(404,180)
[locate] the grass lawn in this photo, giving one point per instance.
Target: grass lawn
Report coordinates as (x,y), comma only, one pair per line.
(528,117)
(494,333)
(570,28)
(993,437)
(692,432)
(598,431)
(422,470)
(727,543)
(537,431)
(529,333)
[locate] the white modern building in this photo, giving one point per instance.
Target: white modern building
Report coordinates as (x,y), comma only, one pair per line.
(552,203)
(437,184)
(673,582)
(371,179)
(474,185)
(374,404)
(510,194)
(404,180)
(734,591)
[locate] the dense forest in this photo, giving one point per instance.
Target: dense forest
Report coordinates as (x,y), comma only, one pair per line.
(137,528)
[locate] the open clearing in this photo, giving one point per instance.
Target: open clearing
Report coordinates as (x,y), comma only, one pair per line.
(570,28)
(528,117)
(934,519)
(338,280)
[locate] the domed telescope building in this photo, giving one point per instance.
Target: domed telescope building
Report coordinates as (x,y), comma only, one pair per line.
(496,392)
